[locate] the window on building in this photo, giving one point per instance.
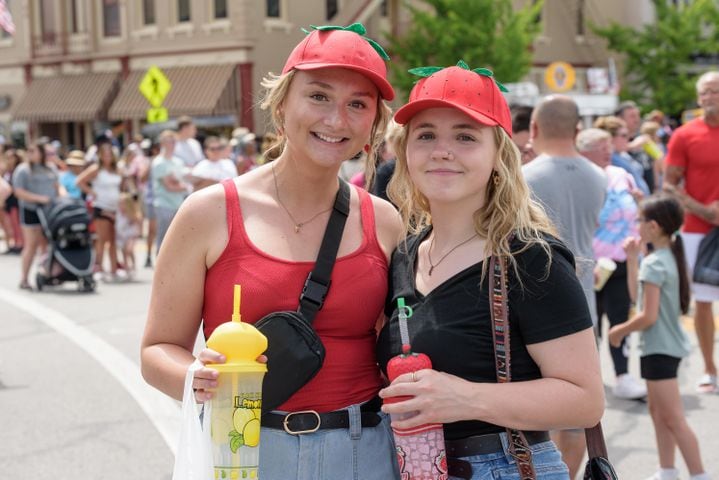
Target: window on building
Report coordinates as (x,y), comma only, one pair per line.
(273,8)
(383,8)
(183,10)
(580,18)
(73,25)
(220,8)
(111,18)
(47,20)
(148,12)
(332,8)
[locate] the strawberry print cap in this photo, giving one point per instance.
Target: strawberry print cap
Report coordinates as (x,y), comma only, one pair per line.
(343,47)
(474,92)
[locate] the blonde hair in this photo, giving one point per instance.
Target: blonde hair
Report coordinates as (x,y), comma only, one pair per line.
(131,206)
(650,128)
(610,123)
(508,208)
(276,89)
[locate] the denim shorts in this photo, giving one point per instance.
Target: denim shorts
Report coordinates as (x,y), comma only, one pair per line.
(501,465)
(353,453)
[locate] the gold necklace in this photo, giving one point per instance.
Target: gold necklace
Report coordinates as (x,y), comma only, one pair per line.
(431,244)
(298,225)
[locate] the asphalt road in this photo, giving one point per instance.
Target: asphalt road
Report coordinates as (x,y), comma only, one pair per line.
(73,404)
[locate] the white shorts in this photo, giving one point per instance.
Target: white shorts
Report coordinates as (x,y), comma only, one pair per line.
(700,291)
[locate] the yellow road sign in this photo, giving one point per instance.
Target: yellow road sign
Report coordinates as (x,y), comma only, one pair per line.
(155,86)
(559,76)
(156,115)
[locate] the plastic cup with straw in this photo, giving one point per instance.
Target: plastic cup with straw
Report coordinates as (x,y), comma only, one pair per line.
(237,404)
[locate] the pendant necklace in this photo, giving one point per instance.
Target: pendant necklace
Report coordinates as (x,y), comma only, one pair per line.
(298,225)
(431,244)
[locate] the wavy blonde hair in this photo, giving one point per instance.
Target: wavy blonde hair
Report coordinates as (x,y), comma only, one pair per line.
(276,89)
(508,207)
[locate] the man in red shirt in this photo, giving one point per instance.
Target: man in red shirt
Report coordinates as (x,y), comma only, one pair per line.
(692,158)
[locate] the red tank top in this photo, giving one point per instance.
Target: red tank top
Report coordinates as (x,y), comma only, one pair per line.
(346,323)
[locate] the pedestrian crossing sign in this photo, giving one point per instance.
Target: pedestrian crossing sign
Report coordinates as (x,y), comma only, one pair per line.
(155,86)
(156,115)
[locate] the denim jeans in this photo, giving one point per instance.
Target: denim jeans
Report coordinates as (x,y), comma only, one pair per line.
(353,453)
(501,465)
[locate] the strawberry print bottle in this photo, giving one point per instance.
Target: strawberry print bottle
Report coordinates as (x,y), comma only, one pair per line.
(420,450)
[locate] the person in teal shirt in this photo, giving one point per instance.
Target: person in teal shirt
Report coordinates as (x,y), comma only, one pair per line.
(662,296)
(168,185)
(75,162)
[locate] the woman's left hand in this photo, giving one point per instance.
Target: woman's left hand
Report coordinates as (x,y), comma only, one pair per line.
(438,398)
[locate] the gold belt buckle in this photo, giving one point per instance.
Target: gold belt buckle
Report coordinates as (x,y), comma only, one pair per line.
(285,422)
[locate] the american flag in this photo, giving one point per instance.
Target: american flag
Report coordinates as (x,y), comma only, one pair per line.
(6,22)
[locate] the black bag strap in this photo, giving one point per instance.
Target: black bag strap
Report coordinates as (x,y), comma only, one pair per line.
(318,281)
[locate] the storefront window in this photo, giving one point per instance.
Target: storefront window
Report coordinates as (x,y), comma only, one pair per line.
(332,8)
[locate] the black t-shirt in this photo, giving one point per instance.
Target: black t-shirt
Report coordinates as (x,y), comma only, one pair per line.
(453,324)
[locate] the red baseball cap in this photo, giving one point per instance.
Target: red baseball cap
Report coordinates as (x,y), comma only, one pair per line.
(342,47)
(476,94)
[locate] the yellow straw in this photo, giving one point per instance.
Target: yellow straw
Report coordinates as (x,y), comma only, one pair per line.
(236,317)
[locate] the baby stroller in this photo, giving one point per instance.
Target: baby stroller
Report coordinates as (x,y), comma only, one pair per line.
(71,256)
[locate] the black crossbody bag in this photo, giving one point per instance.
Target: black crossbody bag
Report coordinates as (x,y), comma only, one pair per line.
(295,352)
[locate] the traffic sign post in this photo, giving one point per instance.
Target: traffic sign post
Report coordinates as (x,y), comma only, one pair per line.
(155,86)
(156,115)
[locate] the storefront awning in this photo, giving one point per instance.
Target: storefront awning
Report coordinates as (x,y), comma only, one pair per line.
(69,98)
(199,90)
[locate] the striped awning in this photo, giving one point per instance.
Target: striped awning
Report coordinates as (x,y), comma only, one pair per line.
(69,98)
(196,91)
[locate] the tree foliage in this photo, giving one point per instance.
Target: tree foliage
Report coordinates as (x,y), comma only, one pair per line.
(483,33)
(660,68)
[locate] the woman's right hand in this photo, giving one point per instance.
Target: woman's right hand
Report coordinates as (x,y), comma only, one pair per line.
(205,379)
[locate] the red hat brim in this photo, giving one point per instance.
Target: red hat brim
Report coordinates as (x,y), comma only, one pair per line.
(405,114)
(384,87)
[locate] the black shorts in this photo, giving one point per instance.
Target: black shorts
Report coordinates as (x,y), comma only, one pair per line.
(659,367)
(29,217)
(103,214)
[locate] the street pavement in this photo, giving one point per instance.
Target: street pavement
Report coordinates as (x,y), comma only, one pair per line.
(74,405)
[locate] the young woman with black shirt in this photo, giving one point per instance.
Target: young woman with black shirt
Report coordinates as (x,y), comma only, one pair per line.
(459,187)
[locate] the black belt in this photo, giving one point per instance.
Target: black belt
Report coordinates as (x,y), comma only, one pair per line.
(480,445)
(308,421)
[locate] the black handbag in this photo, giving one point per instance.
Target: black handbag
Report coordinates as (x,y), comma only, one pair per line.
(706,267)
(295,352)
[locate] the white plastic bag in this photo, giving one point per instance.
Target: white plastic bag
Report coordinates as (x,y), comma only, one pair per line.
(193,460)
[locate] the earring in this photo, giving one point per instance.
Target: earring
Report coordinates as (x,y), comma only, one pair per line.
(495,178)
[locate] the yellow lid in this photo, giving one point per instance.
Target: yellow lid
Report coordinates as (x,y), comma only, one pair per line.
(241,343)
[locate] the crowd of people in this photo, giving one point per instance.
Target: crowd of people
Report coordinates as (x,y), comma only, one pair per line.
(131,193)
(471,184)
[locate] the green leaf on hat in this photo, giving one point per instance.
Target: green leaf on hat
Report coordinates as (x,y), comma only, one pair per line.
(357,28)
(424,71)
(429,71)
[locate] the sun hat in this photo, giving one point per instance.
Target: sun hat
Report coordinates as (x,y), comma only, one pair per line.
(76,158)
(474,92)
(343,47)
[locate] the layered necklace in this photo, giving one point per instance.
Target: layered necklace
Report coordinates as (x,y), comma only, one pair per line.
(298,225)
(431,245)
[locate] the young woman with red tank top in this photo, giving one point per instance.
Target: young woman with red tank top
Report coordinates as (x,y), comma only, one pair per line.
(263,230)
